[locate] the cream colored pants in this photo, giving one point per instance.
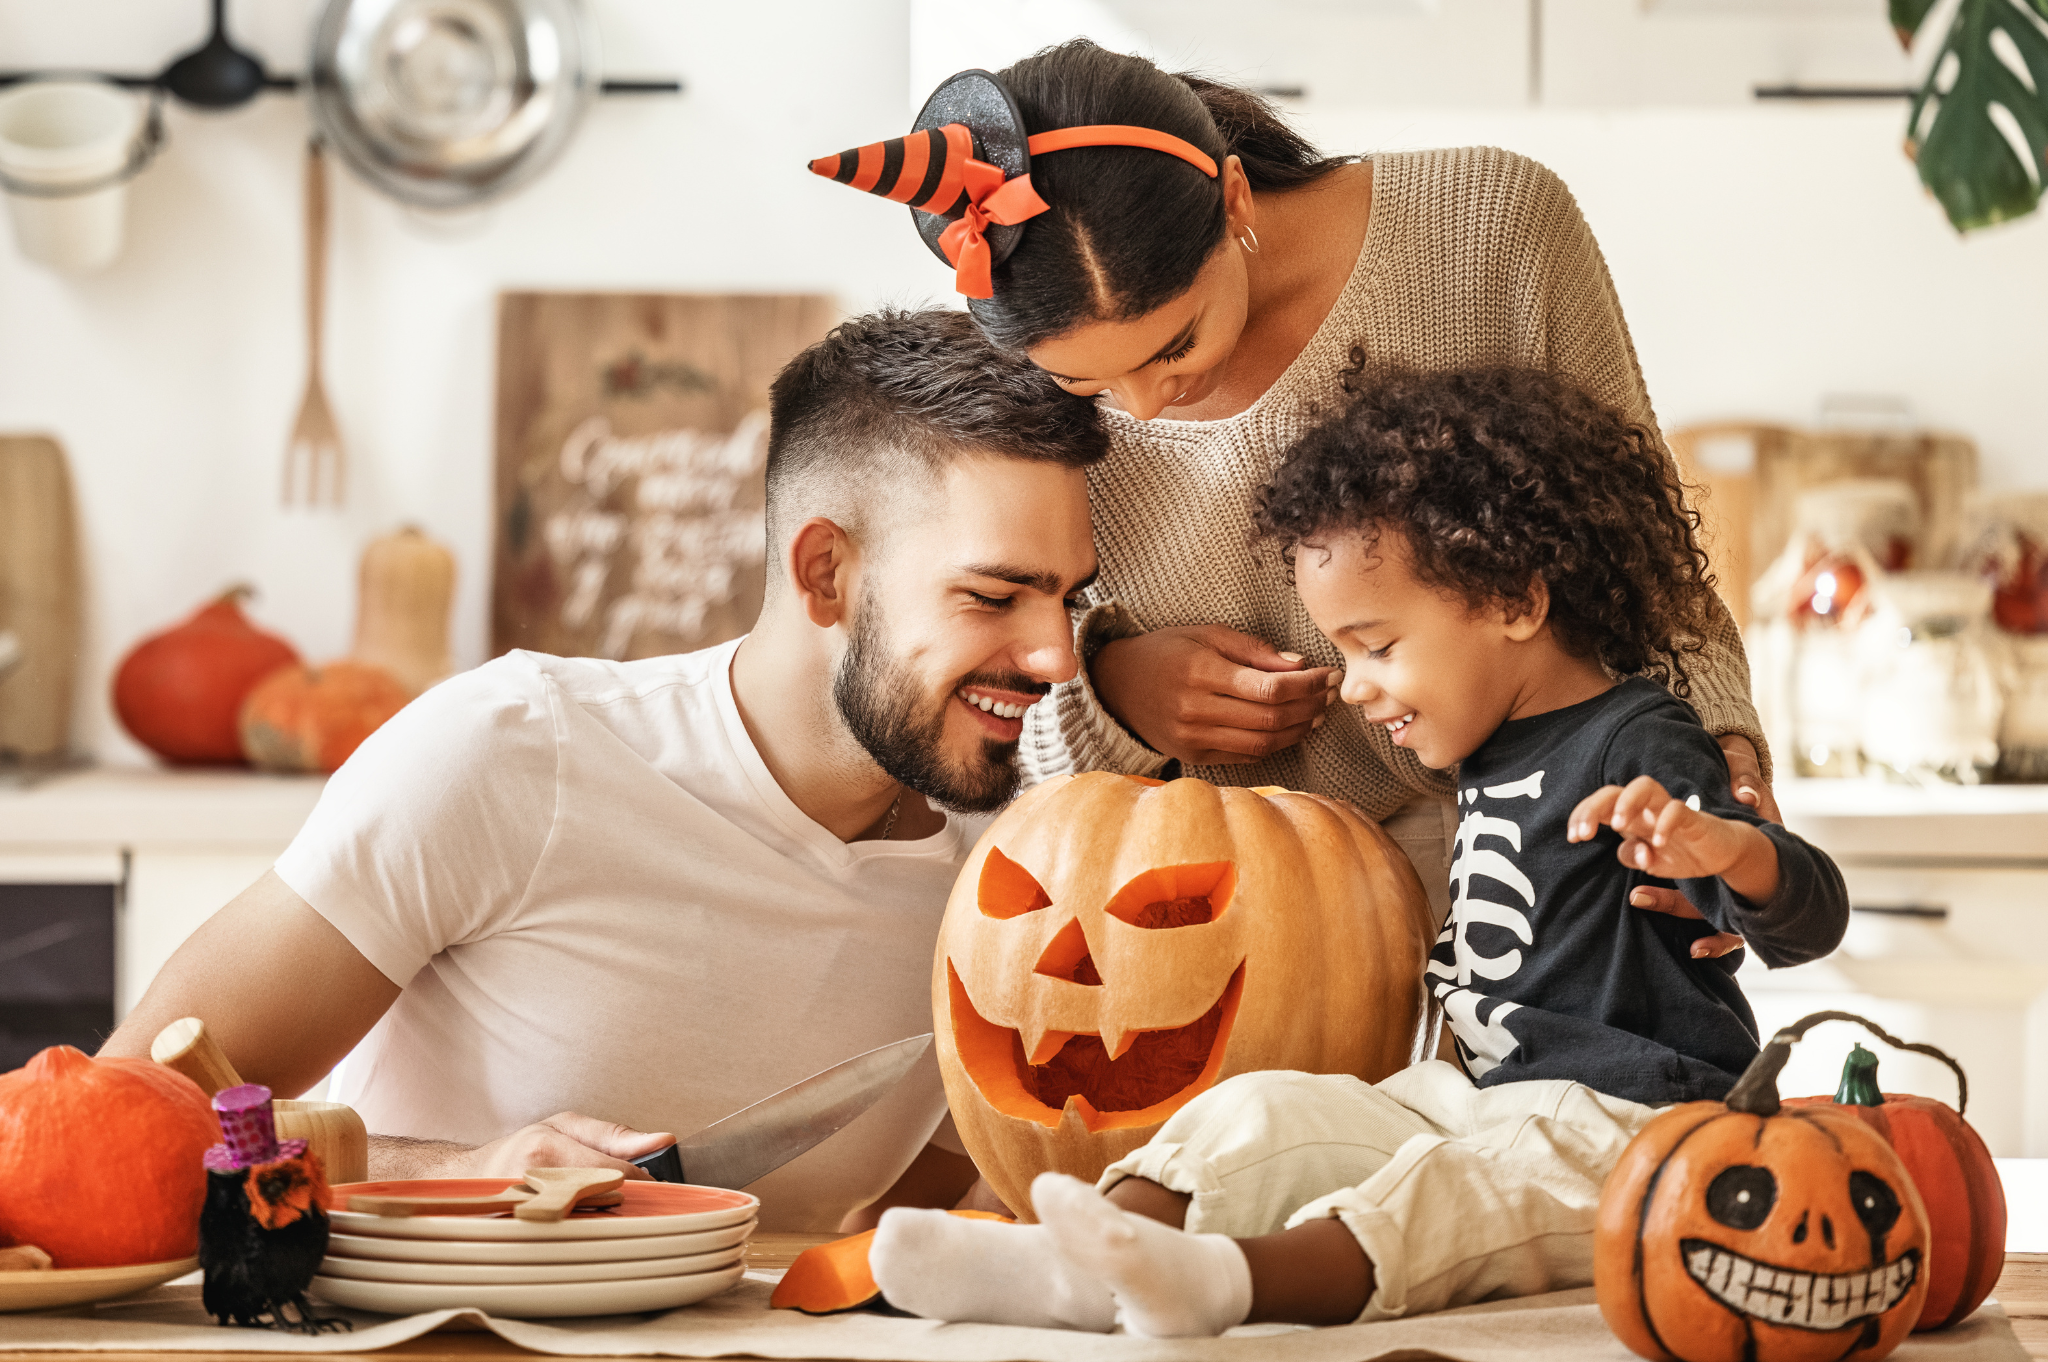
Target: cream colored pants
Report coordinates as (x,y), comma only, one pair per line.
(1456,1193)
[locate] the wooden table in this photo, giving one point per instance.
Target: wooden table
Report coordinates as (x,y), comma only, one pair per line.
(2022,1290)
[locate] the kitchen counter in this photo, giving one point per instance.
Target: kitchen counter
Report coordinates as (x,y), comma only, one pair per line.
(130,806)
(117,807)
(1875,822)
(2022,1291)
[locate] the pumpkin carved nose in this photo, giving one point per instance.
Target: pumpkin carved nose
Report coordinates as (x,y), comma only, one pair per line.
(1067,957)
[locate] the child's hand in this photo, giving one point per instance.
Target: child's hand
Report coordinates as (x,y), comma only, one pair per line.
(1660,835)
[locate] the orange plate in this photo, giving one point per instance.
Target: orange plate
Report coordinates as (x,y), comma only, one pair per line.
(648,1208)
(642,1198)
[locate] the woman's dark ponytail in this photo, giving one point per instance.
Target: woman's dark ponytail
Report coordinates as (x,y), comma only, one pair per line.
(1128,229)
(1274,155)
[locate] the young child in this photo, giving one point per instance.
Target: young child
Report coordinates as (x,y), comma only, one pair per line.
(1510,572)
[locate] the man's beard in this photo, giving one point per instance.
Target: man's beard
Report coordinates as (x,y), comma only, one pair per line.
(904,730)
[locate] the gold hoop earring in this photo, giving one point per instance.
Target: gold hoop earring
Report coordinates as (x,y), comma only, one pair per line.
(1250,247)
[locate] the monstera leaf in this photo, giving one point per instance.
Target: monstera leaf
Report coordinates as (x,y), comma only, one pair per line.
(1986,92)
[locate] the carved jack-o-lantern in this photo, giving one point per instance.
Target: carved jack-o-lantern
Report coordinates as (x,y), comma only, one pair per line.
(1115,946)
(1754,1232)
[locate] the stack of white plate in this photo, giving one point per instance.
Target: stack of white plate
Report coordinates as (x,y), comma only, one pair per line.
(668,1245)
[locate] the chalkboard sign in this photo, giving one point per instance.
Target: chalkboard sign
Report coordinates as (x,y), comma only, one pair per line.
(632,434)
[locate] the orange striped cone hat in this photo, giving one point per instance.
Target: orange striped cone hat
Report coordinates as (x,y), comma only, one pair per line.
(965,172)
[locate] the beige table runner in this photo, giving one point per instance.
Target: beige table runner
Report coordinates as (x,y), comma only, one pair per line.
(1562,1327)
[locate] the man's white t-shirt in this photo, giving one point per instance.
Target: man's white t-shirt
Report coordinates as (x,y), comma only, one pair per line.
(597,898)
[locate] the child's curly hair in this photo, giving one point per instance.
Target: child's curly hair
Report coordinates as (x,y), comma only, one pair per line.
(1498,477)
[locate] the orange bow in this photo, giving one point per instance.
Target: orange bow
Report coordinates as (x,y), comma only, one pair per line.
(990,198)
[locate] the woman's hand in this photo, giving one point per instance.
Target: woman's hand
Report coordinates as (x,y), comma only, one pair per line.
(1209,695)
(1746,776)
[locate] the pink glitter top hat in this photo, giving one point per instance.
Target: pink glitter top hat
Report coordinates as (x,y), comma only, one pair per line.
(249,1129)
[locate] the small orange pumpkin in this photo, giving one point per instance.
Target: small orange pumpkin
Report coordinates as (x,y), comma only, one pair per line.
(1950,1165)
(100,1159)
(1749,1231)
(827,1279)
(1115,945)
(179,692)
(302,718)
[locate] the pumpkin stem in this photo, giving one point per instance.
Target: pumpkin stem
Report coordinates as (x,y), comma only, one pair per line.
(1797,1031)
(1756,1092)
(1859,1080)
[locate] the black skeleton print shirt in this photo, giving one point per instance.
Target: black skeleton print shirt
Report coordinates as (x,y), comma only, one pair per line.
(1545,971)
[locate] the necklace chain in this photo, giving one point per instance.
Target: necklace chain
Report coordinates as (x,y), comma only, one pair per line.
(889,823)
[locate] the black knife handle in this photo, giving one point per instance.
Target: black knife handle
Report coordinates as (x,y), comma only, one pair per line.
(663,1165)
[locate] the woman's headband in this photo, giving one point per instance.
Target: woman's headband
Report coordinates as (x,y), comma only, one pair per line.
(965,171)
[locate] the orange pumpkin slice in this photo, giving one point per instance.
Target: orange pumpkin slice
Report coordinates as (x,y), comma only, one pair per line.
(831,1278)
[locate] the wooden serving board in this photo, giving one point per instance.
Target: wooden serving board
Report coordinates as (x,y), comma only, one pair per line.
(631,438)
(40,595)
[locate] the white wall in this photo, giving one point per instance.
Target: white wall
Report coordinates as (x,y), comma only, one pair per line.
(1765,257)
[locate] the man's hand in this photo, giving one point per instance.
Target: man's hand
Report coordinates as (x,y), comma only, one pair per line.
(1209,695)
(565,1140)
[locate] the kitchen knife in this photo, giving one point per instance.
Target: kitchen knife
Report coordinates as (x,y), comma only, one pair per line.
(755,1141)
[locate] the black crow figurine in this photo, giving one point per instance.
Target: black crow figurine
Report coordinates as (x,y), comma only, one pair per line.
(263,1229)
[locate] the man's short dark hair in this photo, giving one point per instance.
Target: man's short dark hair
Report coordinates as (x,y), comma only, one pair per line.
(894,393)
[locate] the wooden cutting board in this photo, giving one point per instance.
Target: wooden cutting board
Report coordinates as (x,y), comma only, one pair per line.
(631,439)
(40,600)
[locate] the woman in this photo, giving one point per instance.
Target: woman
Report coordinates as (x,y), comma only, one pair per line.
(1215,316)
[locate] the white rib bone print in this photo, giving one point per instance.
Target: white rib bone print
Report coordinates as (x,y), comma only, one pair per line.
(1486,1043)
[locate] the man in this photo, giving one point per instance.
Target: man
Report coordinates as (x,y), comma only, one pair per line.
(657,891)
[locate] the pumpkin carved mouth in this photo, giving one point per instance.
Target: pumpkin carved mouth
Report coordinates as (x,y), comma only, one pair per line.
(1152,1076)
(1800,1300)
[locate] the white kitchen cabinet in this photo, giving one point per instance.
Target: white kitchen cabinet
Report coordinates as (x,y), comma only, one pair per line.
(1469,53)
(1596,53)
(179,844)
(170,893)
(1948,945)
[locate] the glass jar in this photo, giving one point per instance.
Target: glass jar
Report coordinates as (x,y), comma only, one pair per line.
(2013,557)
(1933,693)
(1846,536)
(2023,737)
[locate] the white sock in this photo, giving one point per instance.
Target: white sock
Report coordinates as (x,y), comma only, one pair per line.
(953,1268)
(1167,1283)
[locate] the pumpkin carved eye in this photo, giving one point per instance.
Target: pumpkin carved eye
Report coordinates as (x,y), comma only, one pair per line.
(1877,1205)
(1008,889)
(1741,1197)
(1175,896)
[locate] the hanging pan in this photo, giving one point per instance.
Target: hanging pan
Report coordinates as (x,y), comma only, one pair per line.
(451,103)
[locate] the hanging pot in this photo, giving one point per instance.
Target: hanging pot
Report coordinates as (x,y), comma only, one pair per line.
(451,103)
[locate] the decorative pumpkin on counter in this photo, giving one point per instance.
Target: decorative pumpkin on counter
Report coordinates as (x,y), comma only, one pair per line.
(1116,945)
(1751,1231)
(180,692)
(402,608)
(101,1160)
(1949,1164)
(829,1279)
(303,718)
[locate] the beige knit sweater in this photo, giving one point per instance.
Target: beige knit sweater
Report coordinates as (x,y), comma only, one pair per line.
(1473,256)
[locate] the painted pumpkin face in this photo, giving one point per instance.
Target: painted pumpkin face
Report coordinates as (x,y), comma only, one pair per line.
(1791,1237)
(1115,946)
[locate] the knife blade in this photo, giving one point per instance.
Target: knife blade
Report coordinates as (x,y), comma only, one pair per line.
(756,1140)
